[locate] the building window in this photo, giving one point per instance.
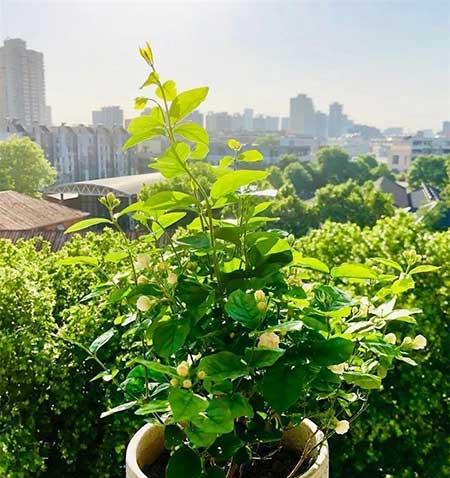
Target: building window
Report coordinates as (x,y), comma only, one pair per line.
(395,159)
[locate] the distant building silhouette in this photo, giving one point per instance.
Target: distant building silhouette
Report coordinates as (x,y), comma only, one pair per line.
(22,84)
(335,120)
(108,116)
(301,115)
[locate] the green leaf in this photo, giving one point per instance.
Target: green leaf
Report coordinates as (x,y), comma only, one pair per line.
(157,367)
(215,472)
(196,241)
(152,79)
(242,308)
(187,102)
(258,357)
(140,102)
(353,271)
(310,263)
(154,406)
(119,408)
(115,256)
(141,137)
(165,221)
(363,380)
(250,156)
(387,262)
(199,438)
(182,460)
(231,182)
(217,418)
(101,341)
(239,406)
(185,404)
(173,436)
(146,123)
(283,385)
(172,163)
(222,366)
(192,132)
(87,223)
(70,261)
(423,268)
(168,90)
(225,446)
(234,144)
(199,152)
(169,336)
(331,352)
(166,200)
(402,285)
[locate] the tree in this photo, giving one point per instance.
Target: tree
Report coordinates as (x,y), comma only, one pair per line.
(23,166)
(301,179)
(350,202)
(335,166)
(287,159)
(294,215)
(430,170)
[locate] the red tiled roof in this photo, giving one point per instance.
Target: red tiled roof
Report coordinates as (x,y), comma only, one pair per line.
(19,212)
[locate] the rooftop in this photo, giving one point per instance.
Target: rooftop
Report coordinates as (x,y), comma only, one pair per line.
(19,212)
(122,186)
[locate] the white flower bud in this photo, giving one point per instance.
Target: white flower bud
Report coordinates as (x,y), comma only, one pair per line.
(260,296)
(390,338)
(142,280)
(174,382)
(187,383)
(338,369)
(142,261)
(143,303)
(420,342)
(201,375)
(269,340)
(261,306)
(172,279)
(183,369)
(342,427)
(407,342)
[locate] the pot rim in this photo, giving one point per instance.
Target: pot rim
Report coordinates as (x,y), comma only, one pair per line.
(132,449)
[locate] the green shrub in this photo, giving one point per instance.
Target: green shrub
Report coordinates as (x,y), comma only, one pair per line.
(405,431)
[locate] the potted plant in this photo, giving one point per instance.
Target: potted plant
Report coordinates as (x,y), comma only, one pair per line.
(246,355)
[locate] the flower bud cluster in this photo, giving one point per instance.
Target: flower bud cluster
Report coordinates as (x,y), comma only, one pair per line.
(261,302)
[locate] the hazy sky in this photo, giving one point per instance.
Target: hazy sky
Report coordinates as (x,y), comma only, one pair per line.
(388,62)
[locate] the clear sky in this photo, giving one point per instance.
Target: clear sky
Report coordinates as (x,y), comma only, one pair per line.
(388,62)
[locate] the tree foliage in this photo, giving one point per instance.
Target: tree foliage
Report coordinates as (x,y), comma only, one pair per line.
(432,171)
(23,166)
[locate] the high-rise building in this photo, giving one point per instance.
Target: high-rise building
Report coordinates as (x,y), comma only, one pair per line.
(248,119)
(285,123)
(335,120)
(22,84)
(272,123)
(301,115)
(108,116)
(321,129)
(446,129)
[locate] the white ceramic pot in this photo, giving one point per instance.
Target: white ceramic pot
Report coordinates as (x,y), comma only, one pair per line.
(148,443)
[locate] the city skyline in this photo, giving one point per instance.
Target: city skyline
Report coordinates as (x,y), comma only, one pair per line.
(288,48)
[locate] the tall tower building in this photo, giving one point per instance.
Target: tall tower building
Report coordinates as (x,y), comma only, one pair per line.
(108,116)
(321,125)
(301,115)
(335,120)
(22,84)
(248,119)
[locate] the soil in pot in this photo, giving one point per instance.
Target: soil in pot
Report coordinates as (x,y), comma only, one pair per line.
(279,465)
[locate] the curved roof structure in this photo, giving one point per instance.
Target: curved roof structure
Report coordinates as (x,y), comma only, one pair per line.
(121,186)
